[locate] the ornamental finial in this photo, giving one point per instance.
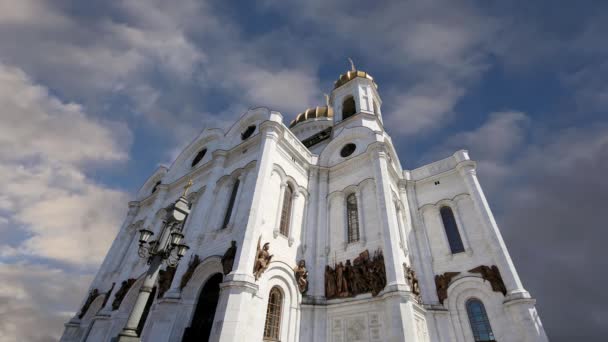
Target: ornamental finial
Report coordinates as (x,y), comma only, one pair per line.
(187,187)
(352,64)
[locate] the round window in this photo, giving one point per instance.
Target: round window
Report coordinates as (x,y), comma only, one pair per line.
(347,150)
(248,132)
(199,156)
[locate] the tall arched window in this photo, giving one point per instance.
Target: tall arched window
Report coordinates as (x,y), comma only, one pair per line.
(286,210)
(480,324)
(352,216)
(235,189)
(348,108)
(451,230)
(272,326)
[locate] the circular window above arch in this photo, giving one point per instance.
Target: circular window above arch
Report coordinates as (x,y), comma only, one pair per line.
(248,132)
(199,156)
(347,150)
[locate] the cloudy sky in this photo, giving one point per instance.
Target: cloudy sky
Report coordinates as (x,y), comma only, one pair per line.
(94,95)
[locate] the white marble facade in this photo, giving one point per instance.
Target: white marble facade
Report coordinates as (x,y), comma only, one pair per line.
(398,213)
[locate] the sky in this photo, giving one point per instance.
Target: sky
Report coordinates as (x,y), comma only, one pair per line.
(94,95)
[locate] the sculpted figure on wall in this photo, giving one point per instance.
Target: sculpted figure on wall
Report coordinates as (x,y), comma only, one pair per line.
(262,259)
(165,278)
(491,274)
(363,275)
(301,275)
(228,258)
(194,261)
(442,282)
(122,292)
(92,295)
(330,282)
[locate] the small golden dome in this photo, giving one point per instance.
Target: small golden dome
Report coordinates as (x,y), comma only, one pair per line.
(313,113)
(352,74)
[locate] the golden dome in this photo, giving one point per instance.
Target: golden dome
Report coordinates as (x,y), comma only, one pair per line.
(313,113)
(352,74)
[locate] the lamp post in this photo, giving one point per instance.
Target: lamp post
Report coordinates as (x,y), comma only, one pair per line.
(167,248)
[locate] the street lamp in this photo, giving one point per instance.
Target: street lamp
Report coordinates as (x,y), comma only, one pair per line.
(168,248)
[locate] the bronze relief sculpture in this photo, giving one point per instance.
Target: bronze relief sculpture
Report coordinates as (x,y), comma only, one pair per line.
(491,274)
(262,259)
(122,292)
(228,258)
(92,295)
(412,280)
(165,278)
(301,275)
(442,282)
(363,275)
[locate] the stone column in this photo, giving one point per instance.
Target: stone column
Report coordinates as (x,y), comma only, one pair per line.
(394,268)
(467,170)
(322,236)
(237,302)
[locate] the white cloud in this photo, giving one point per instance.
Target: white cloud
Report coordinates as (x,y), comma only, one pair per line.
(35,301)
(44,146)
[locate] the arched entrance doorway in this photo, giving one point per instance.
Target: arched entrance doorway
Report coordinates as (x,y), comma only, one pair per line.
(202,322)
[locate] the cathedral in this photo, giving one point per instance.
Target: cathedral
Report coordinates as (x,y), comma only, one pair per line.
(308,230)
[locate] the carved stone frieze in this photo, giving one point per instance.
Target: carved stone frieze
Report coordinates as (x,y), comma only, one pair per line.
(491,274)
(363,275)
(194,261)
(442,282)
(262,259)
(301,275)
(122,292)
(92,295)
(165,278)
(228,258)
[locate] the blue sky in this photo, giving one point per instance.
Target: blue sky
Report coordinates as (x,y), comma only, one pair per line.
(95,95)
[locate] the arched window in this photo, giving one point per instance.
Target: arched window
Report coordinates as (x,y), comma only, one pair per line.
(348,108)
(199,156)
(272,326)
(480,324)
(235,189)
(248,132)
(286,210)
(451,230)
(352,216)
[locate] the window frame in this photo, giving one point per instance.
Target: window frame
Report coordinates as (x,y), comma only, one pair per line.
(452,232)
(286,211)
(352,236)
(481,321)
(231,201)
(274,312)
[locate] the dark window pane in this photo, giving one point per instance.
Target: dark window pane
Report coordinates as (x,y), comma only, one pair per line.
(248,132)
(451,230)
(199,156)
(480,324)
(347,150)
(352,217)
(155,186)
(235,189)
(286,211)
(348,108)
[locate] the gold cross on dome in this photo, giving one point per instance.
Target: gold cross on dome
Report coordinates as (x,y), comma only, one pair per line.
(187,187)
